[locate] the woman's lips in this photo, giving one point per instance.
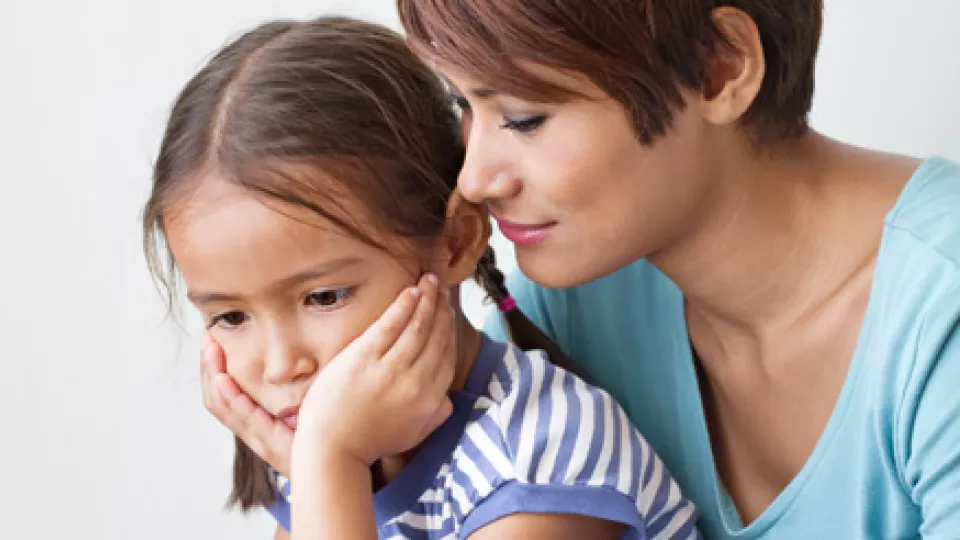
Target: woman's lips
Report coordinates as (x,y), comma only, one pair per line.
(525,235)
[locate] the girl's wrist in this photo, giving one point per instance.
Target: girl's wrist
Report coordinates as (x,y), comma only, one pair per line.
(315,454)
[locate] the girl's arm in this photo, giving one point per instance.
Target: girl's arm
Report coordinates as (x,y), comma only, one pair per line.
(549,527)
(332,497)
(281,534)
(382,395)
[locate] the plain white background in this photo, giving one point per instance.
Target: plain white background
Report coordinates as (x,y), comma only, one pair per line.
(103,432)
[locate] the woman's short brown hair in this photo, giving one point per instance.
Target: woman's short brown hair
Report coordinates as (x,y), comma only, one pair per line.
(640,52)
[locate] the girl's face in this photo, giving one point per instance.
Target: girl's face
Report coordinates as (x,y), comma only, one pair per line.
(571,185)
(282,290)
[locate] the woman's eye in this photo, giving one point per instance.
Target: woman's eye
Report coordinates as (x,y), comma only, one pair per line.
(228,320)
(524,125)
(460,102)
(328,299)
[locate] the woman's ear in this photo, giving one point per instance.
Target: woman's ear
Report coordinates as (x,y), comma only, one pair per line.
(737,70)
(464,240)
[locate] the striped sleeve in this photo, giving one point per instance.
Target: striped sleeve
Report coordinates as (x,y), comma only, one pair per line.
(280,509)
(574,451)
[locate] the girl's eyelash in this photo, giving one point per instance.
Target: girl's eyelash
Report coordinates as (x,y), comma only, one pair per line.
(525,125)
(324,299)
(222,317)
(327,299)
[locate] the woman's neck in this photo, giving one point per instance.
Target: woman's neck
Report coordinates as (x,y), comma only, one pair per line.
(784,232)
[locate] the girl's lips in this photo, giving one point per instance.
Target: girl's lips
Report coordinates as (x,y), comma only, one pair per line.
(290,420)
(524,235)
(289,417)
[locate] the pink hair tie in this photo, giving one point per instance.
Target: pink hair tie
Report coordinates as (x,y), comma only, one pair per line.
(507,304)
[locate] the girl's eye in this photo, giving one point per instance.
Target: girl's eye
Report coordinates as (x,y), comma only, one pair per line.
(228,320)
(328,299)
(524,125)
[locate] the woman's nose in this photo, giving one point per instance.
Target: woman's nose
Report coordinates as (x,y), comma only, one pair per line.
(486,175)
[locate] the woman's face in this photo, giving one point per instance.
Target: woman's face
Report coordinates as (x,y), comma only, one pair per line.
(570,184)
(282,290)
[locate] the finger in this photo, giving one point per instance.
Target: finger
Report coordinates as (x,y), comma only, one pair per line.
(220,388)
(209,364)
(214,355)
(251,421)
(384,332)
(414,336)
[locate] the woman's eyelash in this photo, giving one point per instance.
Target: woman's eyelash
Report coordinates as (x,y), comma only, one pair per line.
(525,125)
(459,102)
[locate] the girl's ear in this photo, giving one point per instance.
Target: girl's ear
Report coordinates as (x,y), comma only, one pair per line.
(464,240)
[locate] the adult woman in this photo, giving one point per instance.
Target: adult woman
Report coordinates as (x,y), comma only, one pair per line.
(779,312)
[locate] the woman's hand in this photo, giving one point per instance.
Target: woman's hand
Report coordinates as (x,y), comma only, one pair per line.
(268,437)
(387,390)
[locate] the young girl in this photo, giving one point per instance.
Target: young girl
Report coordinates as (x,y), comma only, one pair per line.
(305,190)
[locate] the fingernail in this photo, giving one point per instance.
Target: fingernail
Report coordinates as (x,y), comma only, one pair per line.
(414,292)
(432,278)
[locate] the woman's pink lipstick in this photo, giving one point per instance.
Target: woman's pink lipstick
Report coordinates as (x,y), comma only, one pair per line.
(524,235)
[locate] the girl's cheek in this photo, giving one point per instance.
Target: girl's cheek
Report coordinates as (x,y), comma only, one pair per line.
(243,367)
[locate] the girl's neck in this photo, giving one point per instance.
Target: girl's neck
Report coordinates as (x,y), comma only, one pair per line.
(468,348)
(784,231)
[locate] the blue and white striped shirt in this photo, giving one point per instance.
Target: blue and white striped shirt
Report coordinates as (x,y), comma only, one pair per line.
(527,437)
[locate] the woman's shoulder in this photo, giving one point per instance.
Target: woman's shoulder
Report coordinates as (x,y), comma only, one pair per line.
(925,222)
(917,278)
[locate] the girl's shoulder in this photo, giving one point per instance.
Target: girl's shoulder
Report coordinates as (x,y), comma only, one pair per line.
(546,441)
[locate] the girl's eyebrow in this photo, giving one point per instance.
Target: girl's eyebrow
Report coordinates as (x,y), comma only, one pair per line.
(314,272)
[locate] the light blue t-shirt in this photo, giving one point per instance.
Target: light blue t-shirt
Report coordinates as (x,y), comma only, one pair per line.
(888,464)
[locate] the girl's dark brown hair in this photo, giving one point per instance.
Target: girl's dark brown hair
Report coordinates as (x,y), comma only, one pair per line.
(302,111)
(640,52)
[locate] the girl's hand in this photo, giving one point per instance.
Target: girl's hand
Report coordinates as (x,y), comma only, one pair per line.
(387,390)
(268,437)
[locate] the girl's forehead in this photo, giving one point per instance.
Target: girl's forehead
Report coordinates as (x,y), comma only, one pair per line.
(213,195)
(222,220)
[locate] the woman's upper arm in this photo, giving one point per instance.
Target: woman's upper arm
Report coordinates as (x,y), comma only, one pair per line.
(281,534)
(931,417)
(549,527)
